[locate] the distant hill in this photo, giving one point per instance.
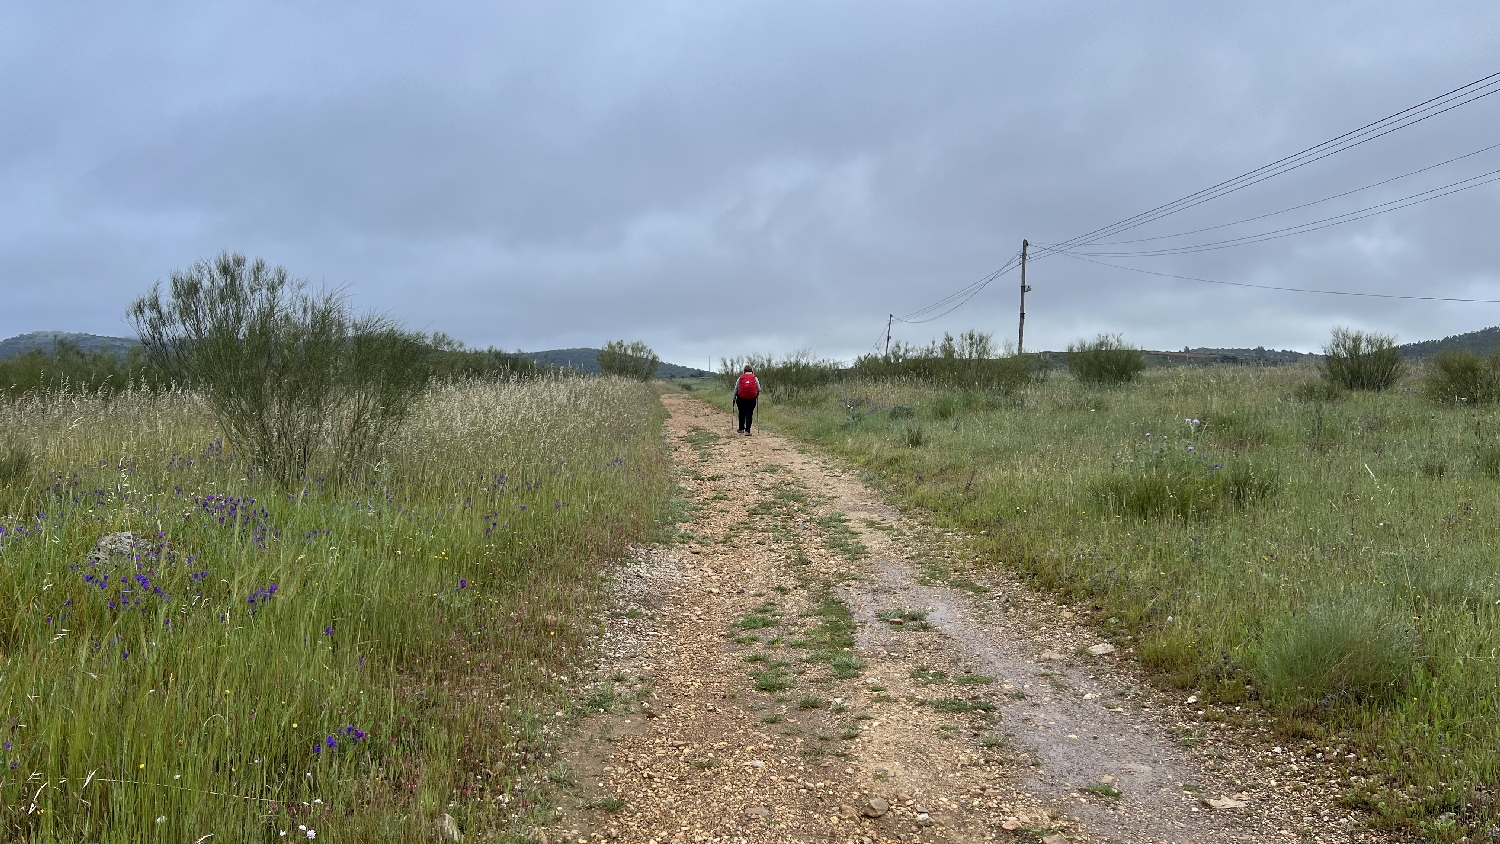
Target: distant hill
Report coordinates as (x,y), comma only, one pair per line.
(1484,341)
(588,361)
(47,340)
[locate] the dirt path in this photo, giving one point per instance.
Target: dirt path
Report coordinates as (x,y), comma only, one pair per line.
(808,665)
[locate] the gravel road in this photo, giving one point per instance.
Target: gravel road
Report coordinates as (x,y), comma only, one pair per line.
(807,664)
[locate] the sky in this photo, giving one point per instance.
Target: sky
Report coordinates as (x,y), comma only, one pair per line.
(723,178)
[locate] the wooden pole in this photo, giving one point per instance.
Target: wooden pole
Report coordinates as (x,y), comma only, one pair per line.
(1021,330)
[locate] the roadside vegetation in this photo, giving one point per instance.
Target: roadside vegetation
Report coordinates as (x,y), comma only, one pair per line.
(629,360)
(366,652)
(1316,542)
(970,361)
(68,367)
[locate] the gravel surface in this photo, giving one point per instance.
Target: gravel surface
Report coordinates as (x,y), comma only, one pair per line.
(807,664)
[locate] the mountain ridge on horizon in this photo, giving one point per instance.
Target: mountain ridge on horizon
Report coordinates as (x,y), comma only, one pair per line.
(46,341)
(1482,341)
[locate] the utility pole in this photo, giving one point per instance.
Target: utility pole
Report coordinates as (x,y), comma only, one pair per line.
(888,334)
(1021,330)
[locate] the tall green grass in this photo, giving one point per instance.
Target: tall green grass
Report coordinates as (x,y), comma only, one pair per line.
(358,659)
(1328,557)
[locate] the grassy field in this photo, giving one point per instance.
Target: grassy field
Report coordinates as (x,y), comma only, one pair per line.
(351,663)
(1331,558)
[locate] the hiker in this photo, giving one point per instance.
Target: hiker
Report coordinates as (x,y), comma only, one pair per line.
(746,391)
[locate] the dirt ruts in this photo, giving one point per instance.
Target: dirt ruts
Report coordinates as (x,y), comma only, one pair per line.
(806,664)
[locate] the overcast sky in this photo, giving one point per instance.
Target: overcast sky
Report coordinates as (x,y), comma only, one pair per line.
(716,178)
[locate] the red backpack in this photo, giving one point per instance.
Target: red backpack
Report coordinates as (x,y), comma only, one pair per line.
(748,388)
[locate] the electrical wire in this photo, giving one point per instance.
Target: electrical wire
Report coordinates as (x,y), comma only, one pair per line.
(1284,289)
(1302,228)
(953,301)
(964,293)
(1297,207)
(1410,116)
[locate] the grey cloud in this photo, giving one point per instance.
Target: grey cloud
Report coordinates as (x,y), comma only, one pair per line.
(717,178)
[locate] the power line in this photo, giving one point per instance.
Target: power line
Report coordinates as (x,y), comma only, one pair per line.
(965,294)
(1410,116)
(1302,228)
(957,299)
(1284,289)
(1407,117)
(1296,207)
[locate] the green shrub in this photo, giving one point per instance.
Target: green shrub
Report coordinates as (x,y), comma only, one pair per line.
(1106,360)
(1356,360)
(1489,461)
(1238,430)
(915,436)
(785,378)
(629,360)
(1353,650)
(1463,376)
(288,375)
(1178,485)
(1321,391)
(66,366)
(946,407)
(450,360)
(969,362)
(1429,586)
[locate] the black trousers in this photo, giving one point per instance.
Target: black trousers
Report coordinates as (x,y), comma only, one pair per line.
(747,410)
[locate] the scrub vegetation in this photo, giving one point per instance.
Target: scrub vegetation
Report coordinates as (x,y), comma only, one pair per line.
(69,367)
(1266,537)
(359,659)
(629,360)
(356,627)
(970,361)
